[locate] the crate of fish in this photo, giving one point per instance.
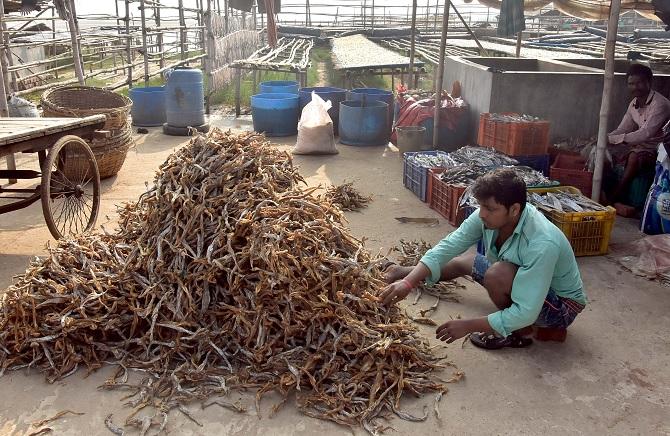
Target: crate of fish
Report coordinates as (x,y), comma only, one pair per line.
(539,162)
(571,171)
(587,224)
(514,134)
(415,169)
(445,197)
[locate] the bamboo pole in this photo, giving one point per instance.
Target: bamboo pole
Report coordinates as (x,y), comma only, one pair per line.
(129,44)
(518,44)
(225,17)
(53,36)
(612,27)
(76,53)
(159,37)
(209,50)
(412,47)
(203,40)
(439,77)
(182,32)
(9,59)
(144,42)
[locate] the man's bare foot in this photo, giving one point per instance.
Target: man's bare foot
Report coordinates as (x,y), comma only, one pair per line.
(395,272)
(624,210)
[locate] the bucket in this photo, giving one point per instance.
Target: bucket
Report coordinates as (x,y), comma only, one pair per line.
(279,87)
(364,123)
(410,138)
(148,106)
(275,114)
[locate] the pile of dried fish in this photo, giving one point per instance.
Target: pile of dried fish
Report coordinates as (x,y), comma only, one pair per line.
(563,201)
(225,274)
(481,157)
(531,176)
(346,197)
(513,118)
(462,175)
(409,254)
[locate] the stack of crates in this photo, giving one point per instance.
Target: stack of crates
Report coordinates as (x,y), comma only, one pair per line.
(525,141)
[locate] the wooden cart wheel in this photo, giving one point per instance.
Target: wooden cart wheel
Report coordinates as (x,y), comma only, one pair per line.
(70,188)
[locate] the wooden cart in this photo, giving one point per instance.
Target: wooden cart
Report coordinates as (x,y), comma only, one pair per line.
(70,182)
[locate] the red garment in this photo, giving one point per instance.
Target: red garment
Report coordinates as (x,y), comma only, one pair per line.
(414,113)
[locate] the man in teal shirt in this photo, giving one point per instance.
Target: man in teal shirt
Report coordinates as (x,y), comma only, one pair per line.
(529,271)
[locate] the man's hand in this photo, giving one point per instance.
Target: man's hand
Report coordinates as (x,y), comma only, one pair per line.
(395,292)
(453,330)
(615,139)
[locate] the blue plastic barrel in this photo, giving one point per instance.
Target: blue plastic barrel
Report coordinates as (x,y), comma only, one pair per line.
(375,94)
(364,123)
(275,114)
(148,106)
(185,97)
(279,87)
(335,95)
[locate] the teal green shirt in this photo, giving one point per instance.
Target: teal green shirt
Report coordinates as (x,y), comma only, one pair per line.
(540,250)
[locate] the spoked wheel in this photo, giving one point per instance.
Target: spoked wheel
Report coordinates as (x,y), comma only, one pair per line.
(70,188)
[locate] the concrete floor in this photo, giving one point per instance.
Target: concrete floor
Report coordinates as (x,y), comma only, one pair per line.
(610,377)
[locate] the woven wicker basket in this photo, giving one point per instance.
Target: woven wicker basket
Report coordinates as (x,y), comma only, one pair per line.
(110,153)
(82,101)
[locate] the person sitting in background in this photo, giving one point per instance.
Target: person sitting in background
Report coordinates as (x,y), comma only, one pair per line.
(634,143)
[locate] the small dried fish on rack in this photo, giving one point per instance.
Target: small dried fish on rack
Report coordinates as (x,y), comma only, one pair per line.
(513,118)
(409,254)
(225,274)
(482,157)
(438,159)
(563,201)
(346,197)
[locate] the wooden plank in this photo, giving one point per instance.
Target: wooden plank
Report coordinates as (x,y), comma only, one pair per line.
(30,128)
(34,145)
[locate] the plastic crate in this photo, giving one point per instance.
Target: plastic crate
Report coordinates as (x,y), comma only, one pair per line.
(538,163)
(588,232)
(444,198)
(569,170)
(514,138)
(415,176)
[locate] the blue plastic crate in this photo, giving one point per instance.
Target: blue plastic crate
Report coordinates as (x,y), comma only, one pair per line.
(415,176)
(538,163)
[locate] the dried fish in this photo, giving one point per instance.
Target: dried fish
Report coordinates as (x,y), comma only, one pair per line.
(225,274)
(42,431)
(481,157)
(420,220)
(513,118)
(564,201)
(113,428)
(55,417)
(346,197)
(436,159)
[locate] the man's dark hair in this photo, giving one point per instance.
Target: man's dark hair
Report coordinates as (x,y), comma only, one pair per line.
(642,71)
(504,185)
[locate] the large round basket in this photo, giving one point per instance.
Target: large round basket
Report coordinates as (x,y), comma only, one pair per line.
(81,101)
(110,153)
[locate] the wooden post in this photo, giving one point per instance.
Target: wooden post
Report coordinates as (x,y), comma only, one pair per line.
(439,77)
(144,42)
(118,31)
(53,36)
(210,51)
(518,44)
(182,30)
(4,108)
(225,17)
(74,37)
(238,86)
(255,81)
(372,17)
(129,43)
(610,45)
(412,49)
(254,10)
(9,61)
(427,15)
(159,37)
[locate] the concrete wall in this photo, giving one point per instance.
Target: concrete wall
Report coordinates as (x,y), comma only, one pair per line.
(569,96)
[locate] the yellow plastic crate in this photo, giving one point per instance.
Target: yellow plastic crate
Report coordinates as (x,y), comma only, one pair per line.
(588,232)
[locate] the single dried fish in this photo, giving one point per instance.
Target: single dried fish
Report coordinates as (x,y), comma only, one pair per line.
(55,417)
(431,221)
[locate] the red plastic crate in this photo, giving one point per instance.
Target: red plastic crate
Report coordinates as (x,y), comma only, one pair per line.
(569,170)
(444,198)
(514,138)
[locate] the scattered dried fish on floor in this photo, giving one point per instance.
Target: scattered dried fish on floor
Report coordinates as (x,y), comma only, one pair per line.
(225,274)
(347,197)
(563,201)
(55,417)
(45,430)
(420,220)
(409,254)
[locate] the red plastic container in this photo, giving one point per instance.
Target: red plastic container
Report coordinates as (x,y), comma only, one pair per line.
(514,138)
(444,198)
(569,170)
